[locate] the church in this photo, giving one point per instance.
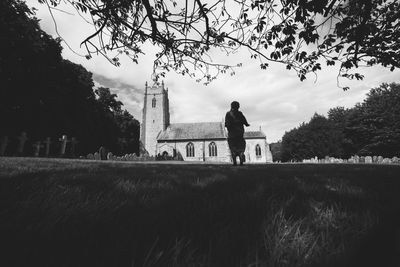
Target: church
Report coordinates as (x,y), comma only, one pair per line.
(200,141)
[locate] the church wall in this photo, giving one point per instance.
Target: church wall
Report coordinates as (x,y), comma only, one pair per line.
(250,151)
(223,153)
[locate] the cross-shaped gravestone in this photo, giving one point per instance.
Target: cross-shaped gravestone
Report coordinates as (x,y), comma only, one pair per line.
(37,146)
(103,153)
(73,146)
(3,145)
(47,143)
(22,139)
(64,140)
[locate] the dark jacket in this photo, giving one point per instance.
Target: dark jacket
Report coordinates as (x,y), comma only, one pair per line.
(234,121)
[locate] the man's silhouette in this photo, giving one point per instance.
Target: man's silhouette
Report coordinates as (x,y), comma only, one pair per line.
(234,121)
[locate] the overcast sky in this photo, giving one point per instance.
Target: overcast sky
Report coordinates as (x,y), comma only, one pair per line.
(273,99)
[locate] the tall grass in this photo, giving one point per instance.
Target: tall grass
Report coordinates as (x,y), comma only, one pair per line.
(88,213)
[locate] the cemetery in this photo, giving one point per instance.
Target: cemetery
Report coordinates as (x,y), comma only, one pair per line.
(78,186)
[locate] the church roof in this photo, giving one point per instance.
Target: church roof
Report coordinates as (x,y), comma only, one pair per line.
(254,135)
(201,131)
(193,131)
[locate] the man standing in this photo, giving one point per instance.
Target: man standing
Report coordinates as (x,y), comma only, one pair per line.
(234,121)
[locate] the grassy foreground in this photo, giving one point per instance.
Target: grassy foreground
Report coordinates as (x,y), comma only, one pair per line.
(88,213)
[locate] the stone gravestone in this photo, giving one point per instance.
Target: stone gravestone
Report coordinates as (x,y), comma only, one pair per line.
(47,143)
(22,139)
(103,153)
(356,159)
(395,160)
(374,159)
(73,146)
(380,159)
(362,159)
(96,156)
(90,156)
(37,146)
(64,140)
(386,161)
(109,156)
(368,159)
(3,145)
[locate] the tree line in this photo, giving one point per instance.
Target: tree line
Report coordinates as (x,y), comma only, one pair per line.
(369,128)
(45,95)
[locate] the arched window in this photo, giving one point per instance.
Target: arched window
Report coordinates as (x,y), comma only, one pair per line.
(212,149)
(153,102)
(258,150)
(190,150)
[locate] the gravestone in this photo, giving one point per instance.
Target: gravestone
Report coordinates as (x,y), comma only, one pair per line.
(380,159)
(103,153)
(73,146)
(90,156)
(3,145)
(47,143)
(395,160)
(37,146)
(64,140)
(22,139)
(97,156)
(109,156)
(374,159)
(368,159)
(362,159)
(356,159)
(386,161)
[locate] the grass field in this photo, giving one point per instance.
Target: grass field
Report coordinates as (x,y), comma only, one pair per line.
(87,213)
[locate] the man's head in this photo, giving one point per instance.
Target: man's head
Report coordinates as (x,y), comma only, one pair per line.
(235,105)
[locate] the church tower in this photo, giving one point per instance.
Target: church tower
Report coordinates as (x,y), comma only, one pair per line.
(155,116)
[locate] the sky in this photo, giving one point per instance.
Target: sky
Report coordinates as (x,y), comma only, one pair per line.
(273,99)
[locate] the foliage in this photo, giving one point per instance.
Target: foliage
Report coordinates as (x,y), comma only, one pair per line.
(303,35)
(47,96)
(80,213)
(370,128)
(317,138)
(123,129)
(374,125)
(276,150)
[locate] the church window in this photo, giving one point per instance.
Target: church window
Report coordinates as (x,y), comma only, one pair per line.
(212,149)
(190,150)
(153,103)
(258,150)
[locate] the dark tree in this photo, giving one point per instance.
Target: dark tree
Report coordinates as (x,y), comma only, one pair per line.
(317,138)
(276,151)
(301,34)
(46,96)
(374,125)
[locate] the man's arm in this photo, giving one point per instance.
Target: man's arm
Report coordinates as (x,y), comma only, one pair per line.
(228,122)
(244,120)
